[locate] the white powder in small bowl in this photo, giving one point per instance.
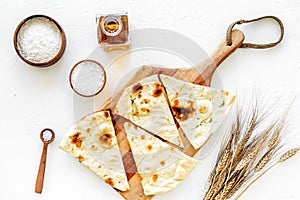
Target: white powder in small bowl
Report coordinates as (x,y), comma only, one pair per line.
(39,40)
(47,135)
(87,78)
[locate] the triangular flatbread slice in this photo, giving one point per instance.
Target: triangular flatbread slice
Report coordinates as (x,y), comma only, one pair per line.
(199,110)
(93,142)
(161,166)
(145,105)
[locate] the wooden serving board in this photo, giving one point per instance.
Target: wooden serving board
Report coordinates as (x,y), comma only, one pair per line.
(201,74)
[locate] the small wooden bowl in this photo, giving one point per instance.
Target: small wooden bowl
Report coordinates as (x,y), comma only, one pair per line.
(100,89)
(56,57)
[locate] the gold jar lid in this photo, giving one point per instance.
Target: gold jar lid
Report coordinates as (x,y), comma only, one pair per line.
(111,26)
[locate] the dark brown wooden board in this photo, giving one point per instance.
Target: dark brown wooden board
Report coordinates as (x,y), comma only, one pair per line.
(201,75)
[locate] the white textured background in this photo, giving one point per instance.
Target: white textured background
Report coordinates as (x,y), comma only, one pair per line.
(32,98)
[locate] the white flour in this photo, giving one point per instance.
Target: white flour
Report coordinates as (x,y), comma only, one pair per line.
(47,135)
(39,40)
(87,78)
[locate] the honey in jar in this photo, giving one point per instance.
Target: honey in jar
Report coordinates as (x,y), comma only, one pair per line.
(113,30)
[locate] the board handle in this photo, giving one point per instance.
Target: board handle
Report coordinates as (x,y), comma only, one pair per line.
(202,73)
(224,50)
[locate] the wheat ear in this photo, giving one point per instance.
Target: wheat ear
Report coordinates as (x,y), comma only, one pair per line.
(287,155)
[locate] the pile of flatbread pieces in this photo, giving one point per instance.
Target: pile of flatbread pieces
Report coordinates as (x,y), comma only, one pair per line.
(160,111)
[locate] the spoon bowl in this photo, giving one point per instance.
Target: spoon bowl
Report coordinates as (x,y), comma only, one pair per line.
(47,136)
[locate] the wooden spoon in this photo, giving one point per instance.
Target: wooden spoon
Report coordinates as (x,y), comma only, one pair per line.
(47,136)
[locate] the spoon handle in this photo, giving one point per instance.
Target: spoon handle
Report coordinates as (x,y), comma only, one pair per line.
(40,177)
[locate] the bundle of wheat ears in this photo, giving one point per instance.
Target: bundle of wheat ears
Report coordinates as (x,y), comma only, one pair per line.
(248,153)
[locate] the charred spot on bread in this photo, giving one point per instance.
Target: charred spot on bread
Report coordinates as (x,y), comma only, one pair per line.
(146,101)
(149,147)
(203,109)
(75,139)
(88,130)
(93,147)
(155,177)
(80,158)
(110,181)
(158,90)
(137,87)
(106,114)
(182,113)
(106,139)
(145,110)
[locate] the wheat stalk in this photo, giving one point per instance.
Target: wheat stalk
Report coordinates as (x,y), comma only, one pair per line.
(209,195)
(264,160)
(217,178)
(245,161)
(248,134)
(287,155)
(226,189)
(237,186)
(245,155)
(274,140)
(223,161)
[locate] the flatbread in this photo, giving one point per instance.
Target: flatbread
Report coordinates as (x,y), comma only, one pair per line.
(145,105)
(161,166)
(93,142)
(199,110)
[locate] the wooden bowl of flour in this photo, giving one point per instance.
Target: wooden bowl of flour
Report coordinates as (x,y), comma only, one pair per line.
(39,41)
